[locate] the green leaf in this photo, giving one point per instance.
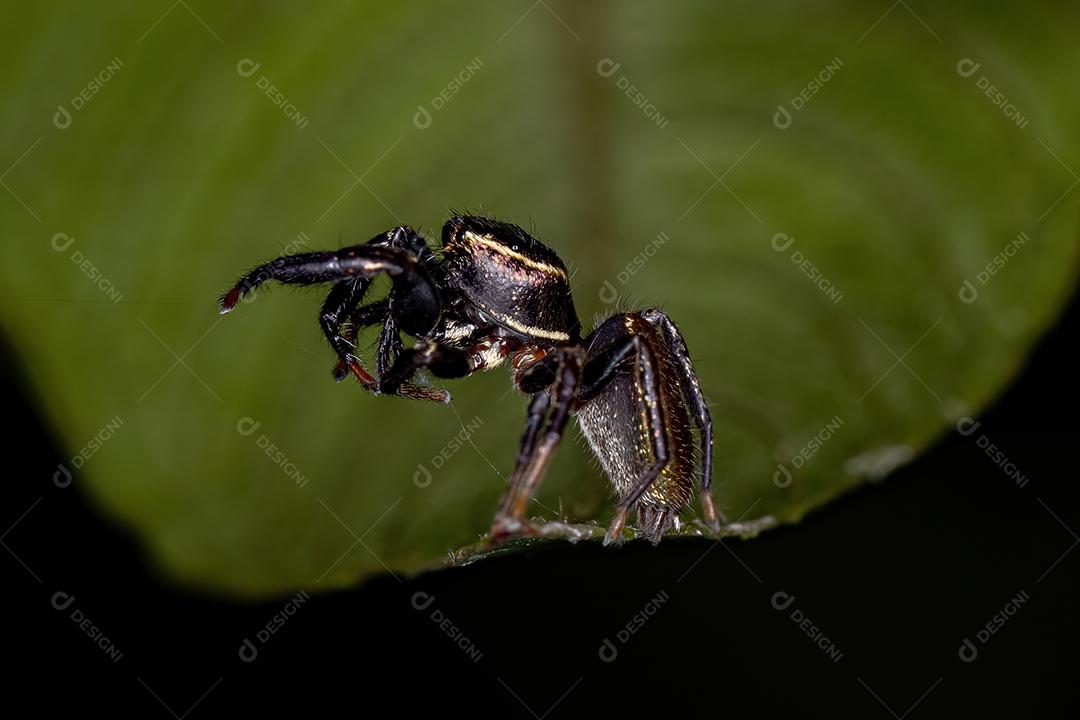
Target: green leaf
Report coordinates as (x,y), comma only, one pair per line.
(814,260)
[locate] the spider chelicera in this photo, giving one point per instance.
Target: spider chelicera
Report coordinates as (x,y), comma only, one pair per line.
(493,294)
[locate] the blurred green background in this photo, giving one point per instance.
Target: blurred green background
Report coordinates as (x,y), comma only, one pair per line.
(814,191)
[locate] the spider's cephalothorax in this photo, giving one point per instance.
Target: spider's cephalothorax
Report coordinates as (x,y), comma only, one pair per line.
(495,293)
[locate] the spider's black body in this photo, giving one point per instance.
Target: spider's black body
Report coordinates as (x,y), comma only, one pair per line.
(510,277)
(494,294)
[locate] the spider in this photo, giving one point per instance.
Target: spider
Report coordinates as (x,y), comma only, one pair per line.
(493,294)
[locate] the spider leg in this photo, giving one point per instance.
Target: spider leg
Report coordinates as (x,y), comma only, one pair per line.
(598,372)
(538,411)
(699,408)
(558,375)
(390,346)
(364,316)
(371,314)
(442,360)
(417,305)
(505,525)
(399,253)
(343,299)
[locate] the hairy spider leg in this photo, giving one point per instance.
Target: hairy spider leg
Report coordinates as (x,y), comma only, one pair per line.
(699,408)
(480,351)
(443,361)
(375,313)
(416,309)
(600,369)
(390,345)
(342,300)
(555,382)
(505,523)
(418,302)
(538,412)
(381,312)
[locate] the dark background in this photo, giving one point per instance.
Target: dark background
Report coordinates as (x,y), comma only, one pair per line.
(896,575)
(900,179)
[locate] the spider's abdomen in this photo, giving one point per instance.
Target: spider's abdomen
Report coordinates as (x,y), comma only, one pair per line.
(615,423)
(516,280)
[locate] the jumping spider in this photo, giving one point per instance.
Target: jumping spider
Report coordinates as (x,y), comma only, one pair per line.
(496,293)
